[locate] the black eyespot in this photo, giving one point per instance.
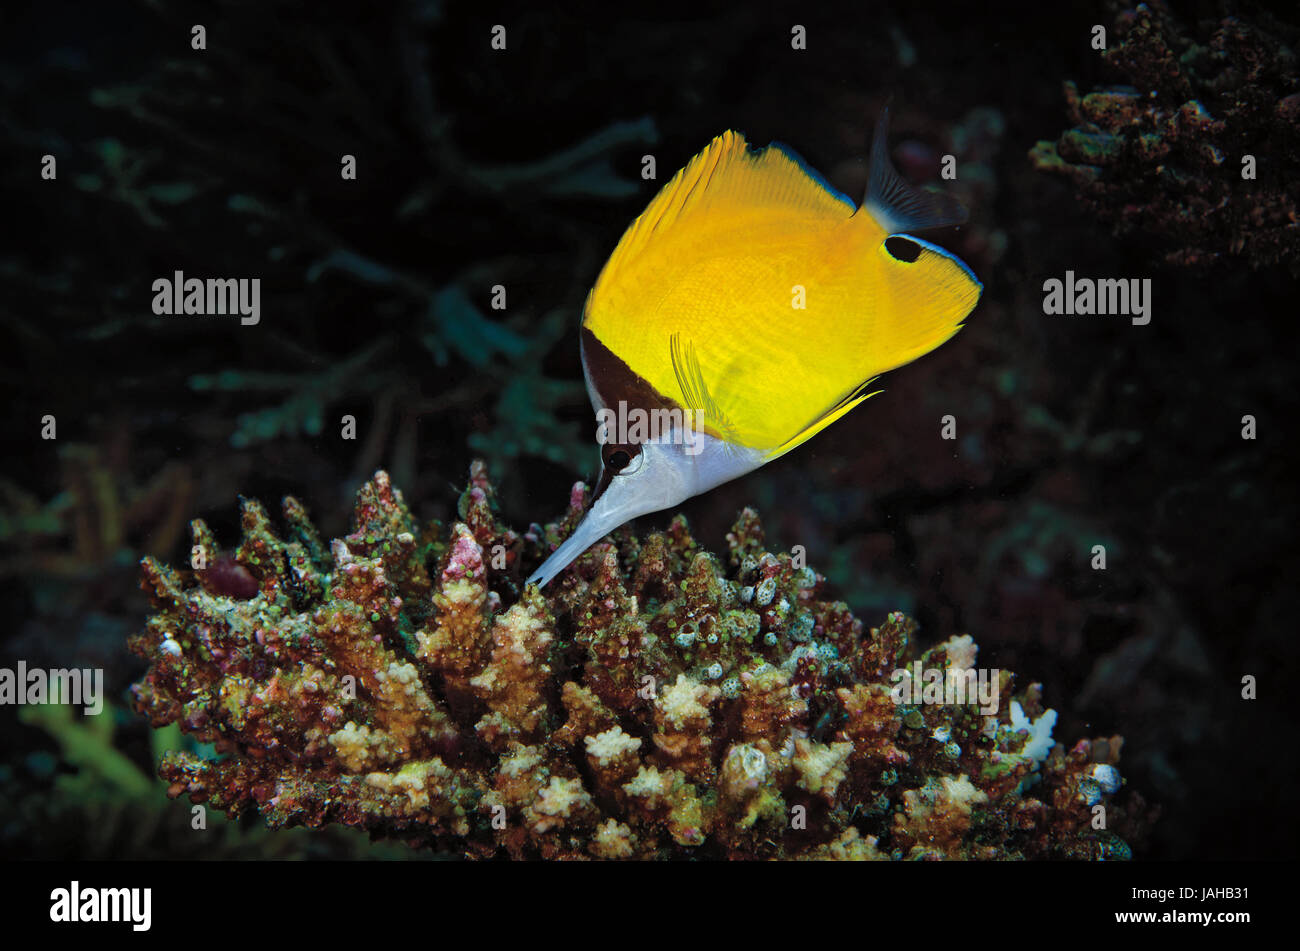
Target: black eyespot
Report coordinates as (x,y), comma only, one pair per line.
(902,249)
(619,459)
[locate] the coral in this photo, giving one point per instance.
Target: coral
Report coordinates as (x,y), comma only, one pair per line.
(1163,155)
(98,515)
(649,704)
(93,801)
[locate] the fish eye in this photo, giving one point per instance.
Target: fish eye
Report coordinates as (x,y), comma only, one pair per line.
(620,459)
(902,249)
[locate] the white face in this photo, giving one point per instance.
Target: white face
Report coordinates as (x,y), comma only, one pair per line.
(664,474)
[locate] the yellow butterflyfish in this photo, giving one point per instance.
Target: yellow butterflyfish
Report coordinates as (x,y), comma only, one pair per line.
(748,308)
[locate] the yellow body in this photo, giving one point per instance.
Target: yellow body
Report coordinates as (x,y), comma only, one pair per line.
(784,292)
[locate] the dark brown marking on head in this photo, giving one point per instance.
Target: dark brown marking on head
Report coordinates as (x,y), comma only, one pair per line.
(614,380)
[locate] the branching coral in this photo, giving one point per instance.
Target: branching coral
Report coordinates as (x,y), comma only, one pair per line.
(649,704)
(1165,155)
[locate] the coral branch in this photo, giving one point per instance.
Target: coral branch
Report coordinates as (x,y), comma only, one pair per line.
(649,705)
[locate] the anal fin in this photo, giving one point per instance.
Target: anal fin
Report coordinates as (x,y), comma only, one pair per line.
(859,394)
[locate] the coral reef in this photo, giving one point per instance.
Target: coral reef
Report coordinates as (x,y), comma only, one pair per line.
(1163,155)
(650,704)
(89,800)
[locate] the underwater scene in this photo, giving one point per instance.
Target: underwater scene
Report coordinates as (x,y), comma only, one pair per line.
(690,432)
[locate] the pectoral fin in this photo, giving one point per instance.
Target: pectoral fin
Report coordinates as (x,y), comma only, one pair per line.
(695,391)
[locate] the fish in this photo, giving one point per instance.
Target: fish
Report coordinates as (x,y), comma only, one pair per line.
(750,306)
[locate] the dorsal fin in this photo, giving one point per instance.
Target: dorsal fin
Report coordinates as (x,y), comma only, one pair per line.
(897,205)
(731,181)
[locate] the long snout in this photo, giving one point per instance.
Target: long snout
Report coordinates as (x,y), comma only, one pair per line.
(594,526)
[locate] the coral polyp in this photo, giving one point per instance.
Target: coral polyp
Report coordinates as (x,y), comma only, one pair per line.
(653,703)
